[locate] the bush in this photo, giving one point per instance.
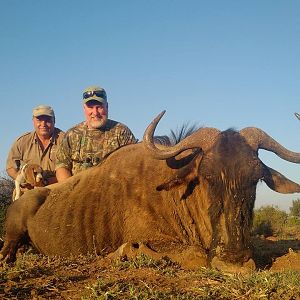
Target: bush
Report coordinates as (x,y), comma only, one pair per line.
(269,220)
(295,209)
(263,228)
(6,190)
(293,221)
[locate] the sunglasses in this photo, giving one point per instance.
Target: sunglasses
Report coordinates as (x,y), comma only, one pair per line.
(89,94)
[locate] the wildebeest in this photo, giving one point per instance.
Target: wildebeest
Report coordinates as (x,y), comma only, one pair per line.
(195,198)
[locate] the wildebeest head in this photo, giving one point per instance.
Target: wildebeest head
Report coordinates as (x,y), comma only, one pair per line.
(224,172)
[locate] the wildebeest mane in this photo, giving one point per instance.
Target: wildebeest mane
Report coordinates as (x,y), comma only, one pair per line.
(176,136)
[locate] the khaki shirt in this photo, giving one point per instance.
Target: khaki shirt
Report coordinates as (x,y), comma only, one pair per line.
(26,149)
(82,147)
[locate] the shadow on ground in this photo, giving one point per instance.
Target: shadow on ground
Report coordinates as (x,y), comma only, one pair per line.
(267,250)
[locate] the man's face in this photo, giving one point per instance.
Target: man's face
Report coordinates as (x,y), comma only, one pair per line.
(96,114)
(44,126)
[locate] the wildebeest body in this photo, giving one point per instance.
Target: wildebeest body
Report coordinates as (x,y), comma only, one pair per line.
(105,207)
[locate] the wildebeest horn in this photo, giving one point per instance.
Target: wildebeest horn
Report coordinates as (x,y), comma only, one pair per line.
(258,139)
(203,138)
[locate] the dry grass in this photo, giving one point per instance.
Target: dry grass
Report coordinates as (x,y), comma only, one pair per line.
(88,277)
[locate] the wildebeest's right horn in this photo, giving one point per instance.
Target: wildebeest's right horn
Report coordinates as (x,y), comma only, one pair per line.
(203,138)
(258,139)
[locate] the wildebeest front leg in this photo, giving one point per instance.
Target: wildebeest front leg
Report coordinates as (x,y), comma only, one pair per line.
(17,217)
(190,257)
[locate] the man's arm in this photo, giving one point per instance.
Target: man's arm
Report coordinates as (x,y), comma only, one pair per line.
(14,160)
(62,174)
(63,169)
(51,180)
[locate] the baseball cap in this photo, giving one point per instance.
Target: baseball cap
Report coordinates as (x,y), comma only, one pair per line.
(43,110)
(95,93)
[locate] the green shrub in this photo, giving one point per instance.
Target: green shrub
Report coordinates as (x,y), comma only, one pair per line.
(269,220)
(293,221)
(6,190)
(295,208)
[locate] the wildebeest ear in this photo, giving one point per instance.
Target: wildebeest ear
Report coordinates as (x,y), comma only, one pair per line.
(184,175)
(279,183)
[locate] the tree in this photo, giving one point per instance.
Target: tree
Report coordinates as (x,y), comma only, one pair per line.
(269,220)
(295,208)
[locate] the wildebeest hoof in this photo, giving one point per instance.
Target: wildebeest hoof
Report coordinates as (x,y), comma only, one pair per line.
(227,267)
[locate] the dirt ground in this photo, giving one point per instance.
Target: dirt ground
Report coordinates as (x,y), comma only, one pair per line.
(273,253)
(89,277)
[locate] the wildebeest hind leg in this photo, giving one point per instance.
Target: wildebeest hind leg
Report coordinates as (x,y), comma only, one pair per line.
(18,214)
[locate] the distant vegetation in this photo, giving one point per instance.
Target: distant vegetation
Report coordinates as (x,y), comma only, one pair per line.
(295,208)
(271,221)
(6,189)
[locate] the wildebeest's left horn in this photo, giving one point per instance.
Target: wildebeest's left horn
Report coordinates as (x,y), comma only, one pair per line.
(202,138)
(258,139)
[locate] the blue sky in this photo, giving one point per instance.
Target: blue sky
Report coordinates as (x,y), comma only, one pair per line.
(214,63)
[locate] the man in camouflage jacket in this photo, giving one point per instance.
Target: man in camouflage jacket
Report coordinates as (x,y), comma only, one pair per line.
(87,143)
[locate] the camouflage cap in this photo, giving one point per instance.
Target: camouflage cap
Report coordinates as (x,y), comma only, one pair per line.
(95,93)
(43,110)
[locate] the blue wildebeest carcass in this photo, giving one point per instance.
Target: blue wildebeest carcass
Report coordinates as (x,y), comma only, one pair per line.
(192,201)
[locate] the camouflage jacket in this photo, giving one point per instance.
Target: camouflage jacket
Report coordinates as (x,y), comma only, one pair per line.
(82,147)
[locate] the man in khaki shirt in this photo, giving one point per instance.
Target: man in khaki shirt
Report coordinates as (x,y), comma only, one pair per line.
(37,147)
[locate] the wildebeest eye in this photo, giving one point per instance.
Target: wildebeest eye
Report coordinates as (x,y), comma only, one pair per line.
(208,177)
